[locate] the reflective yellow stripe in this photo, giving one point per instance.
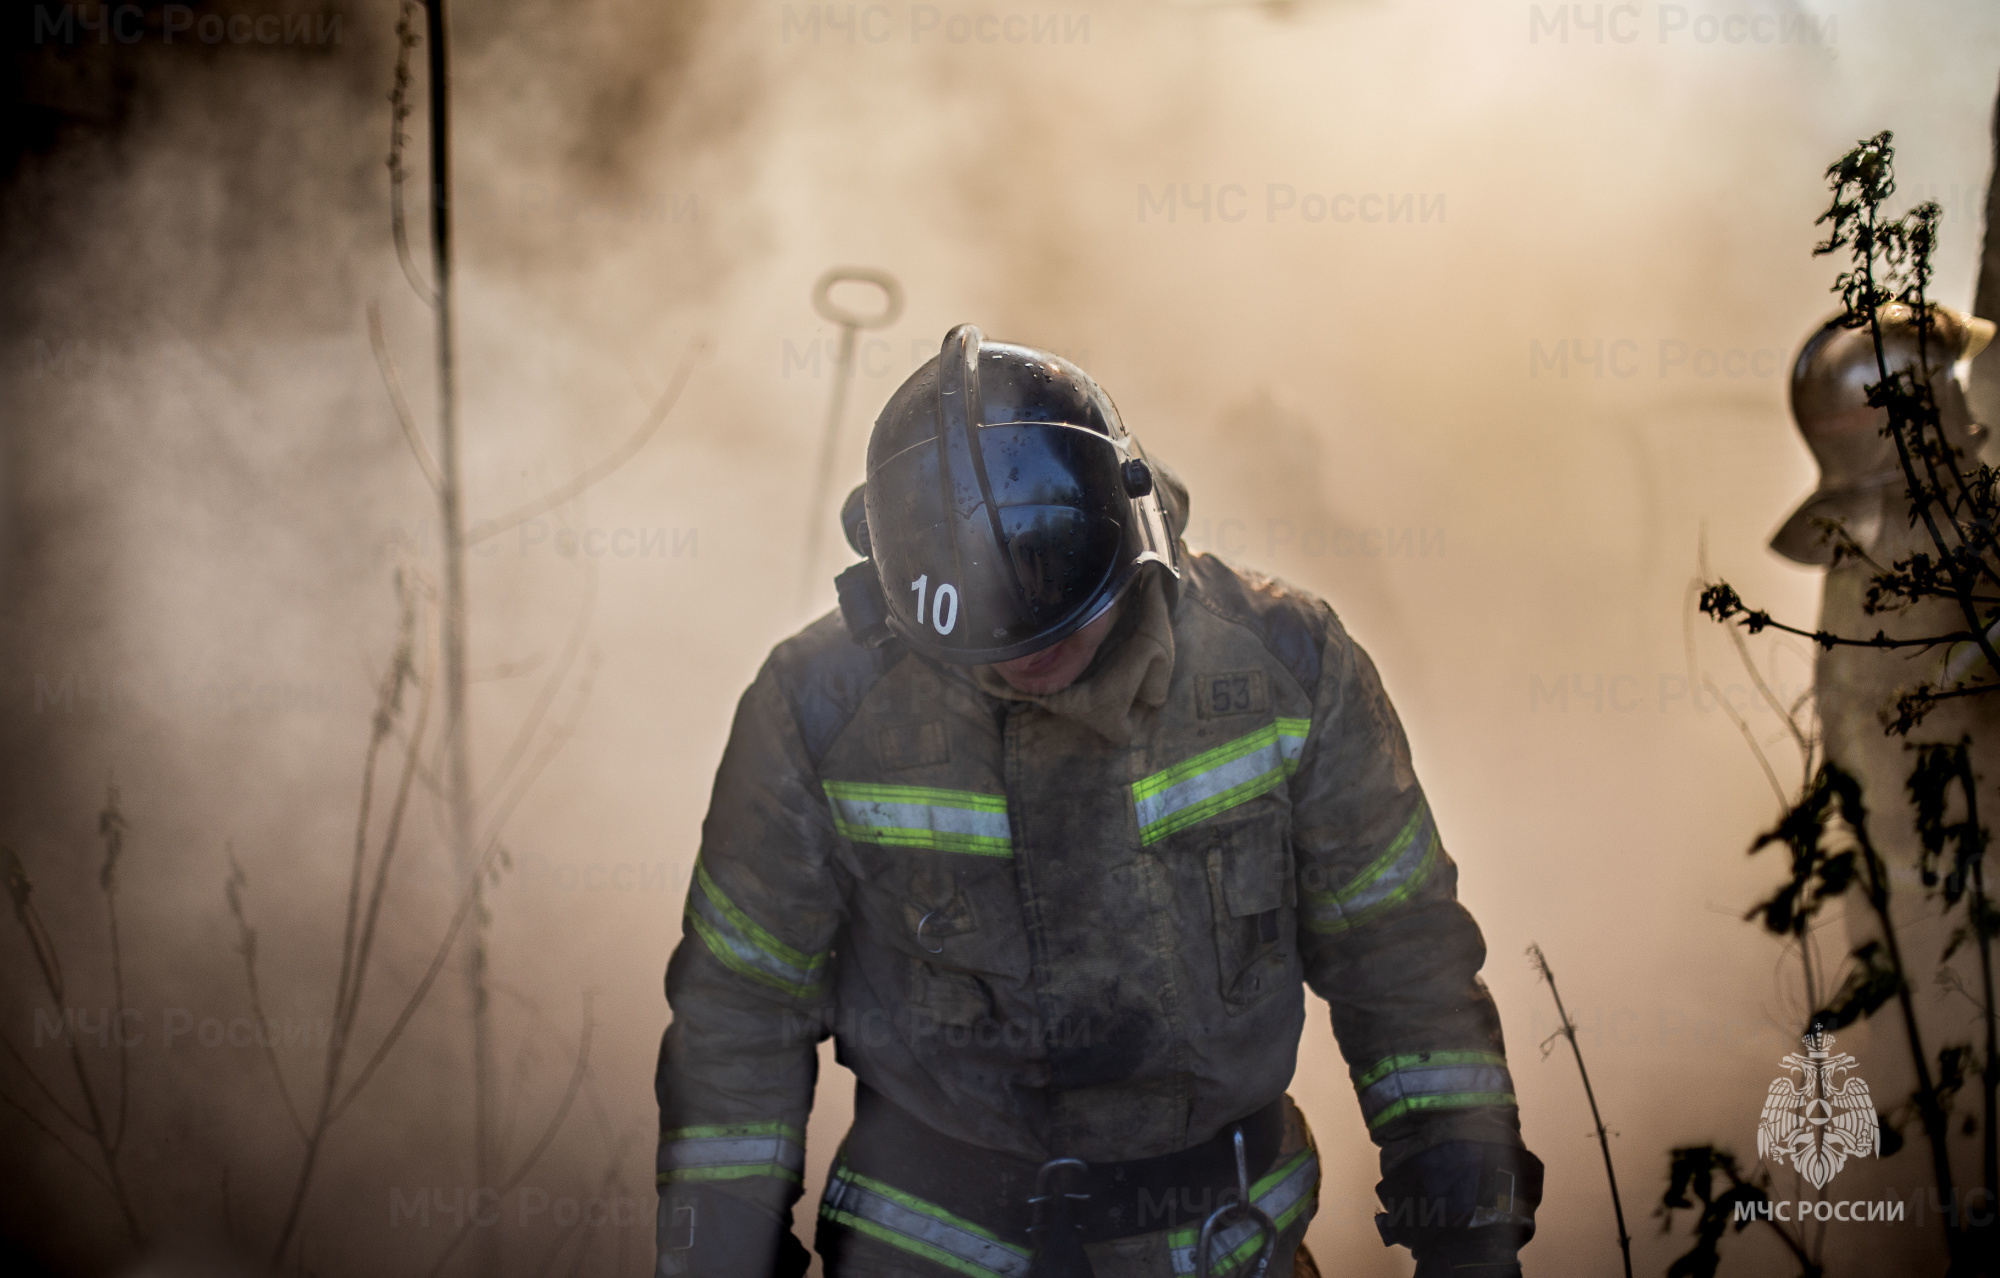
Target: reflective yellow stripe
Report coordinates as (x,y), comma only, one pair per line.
(924,1229)
(1392,878)
(733,1152)
(746,948)
(1217,780)
(1403,1085)
(910,816)
(1287,1191)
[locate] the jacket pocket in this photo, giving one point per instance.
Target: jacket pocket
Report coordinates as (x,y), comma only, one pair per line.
(945,996)
(1255,903)
(961,936)
(957,924)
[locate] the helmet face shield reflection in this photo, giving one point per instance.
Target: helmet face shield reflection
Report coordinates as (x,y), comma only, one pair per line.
(1059,555)
(987,603)
(995,540)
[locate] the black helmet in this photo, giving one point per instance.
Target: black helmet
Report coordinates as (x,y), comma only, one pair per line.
(1005,508)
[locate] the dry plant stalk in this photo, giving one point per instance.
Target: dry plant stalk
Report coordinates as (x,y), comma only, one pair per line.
(103,1127)
(359,935)
(1568,1031)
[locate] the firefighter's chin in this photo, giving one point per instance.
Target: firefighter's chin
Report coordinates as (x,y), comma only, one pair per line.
(1057,666)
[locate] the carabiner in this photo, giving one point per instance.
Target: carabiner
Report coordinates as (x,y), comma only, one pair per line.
(1259,1219)
(1042,1195)
(920,934)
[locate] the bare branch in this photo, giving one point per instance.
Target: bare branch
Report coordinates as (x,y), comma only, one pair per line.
(562,1111)
(486,528)
(57,1141)
(579,630)
(404,417)
(604,1185)
(111,828)
(557,736)
(21,889)
(399,111)
(40,1086)
(548,1134)
(1568,1030)
(389,841)
(246,945)
(1764,691)
(388,702)
(1749,739)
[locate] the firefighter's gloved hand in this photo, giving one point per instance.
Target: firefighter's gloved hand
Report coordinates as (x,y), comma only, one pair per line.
(1472,1257)
(1464,1208)
(706,1233)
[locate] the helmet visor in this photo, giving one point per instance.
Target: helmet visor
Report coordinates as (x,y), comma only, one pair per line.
(965,599)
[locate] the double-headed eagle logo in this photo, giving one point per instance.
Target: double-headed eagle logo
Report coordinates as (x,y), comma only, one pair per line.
(1814,1119)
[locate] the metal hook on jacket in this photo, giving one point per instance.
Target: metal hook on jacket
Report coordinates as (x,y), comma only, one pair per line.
(1221,1217)
(920,934)
(1043,1196)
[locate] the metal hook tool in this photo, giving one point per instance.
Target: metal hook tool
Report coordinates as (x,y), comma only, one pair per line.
(1053,1225)
(920,934)
(843,368)
(1242,1207)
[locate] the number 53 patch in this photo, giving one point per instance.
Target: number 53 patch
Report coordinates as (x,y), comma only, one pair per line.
(1230,692)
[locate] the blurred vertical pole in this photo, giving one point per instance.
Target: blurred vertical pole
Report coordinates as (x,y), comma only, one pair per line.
(829,443)
(1982,389)
(451,513)
(843,369)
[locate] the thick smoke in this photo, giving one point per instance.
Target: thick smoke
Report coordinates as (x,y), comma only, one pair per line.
(1475,324)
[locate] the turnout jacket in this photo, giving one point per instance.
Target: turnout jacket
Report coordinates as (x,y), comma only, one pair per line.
(1040,942)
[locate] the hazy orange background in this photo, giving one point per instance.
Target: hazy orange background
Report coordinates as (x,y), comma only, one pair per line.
(203,495)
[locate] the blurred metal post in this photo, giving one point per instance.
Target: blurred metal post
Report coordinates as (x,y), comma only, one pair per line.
(843,368)
(451,513)
(1982,391)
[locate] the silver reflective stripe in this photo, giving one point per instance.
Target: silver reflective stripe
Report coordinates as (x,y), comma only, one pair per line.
(1282,1195)
(1438,1080)
(1394,876)
(731,1153)
(921,1228)
(1219,779)
(913,816)
(745,947)
(716,1151)
(768,1156)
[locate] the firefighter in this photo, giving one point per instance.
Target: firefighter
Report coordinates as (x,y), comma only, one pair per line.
(1862,504)
(1049,828)
(1861,509)
(1861,487)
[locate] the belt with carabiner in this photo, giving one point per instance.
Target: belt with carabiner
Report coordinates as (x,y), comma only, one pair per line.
(901,1182)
